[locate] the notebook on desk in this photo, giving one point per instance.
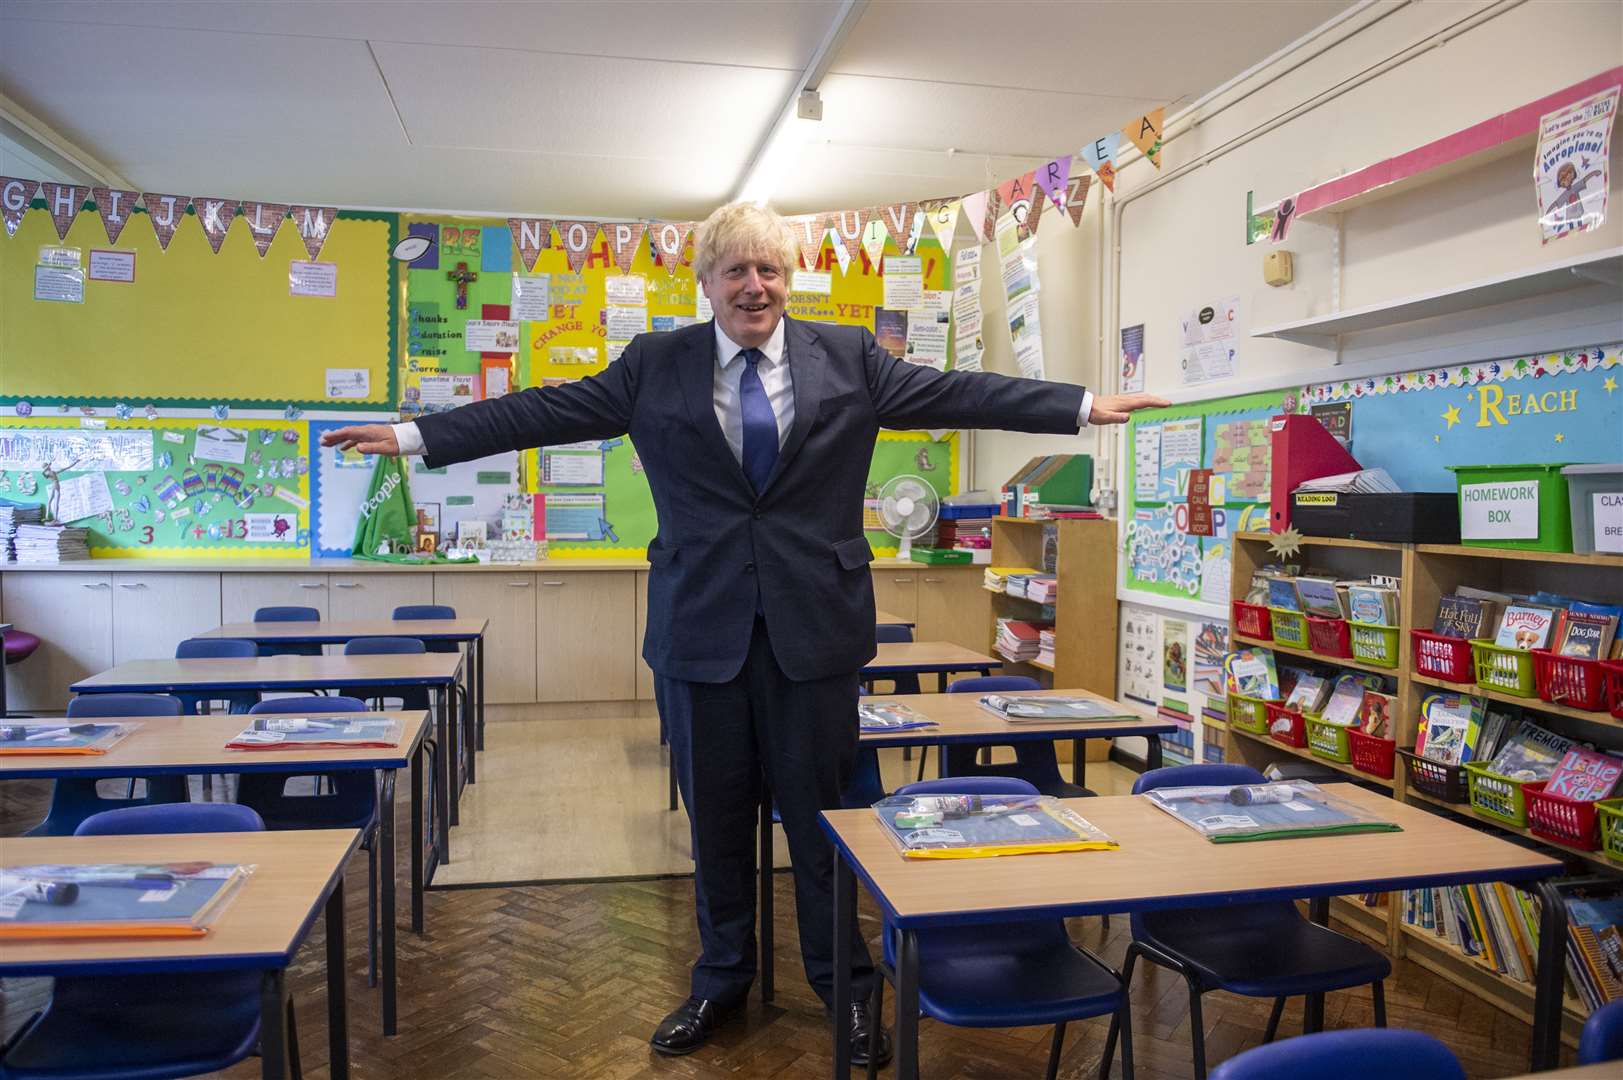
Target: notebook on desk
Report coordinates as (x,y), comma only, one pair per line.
(326,733)
(1230,813)
(115,900)
(1016,708)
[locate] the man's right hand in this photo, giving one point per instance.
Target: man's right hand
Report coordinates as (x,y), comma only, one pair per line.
(367,438)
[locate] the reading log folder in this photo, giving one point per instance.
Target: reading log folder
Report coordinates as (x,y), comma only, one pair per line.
(1302,450)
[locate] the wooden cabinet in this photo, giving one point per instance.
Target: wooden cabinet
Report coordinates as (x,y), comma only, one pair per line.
(375,596)
(508,601)
(954,606)
(243,594)
(152,613)
(645,674)
(896,590)
(586,624)
(72,614)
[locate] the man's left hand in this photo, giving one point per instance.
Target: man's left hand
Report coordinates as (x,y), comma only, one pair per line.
(1115,408)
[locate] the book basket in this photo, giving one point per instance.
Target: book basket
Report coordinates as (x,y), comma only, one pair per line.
(1495,796)
(1445,782)
(1556,817)
(1289,627)
(1371,754)
(1570,680)
(1373,644)
(1609,813)
(1285,726)
(1614,685)
(1252,621)
(1510,671)
(1329,741)
(1329,637)
(1439,657)
(1249,713)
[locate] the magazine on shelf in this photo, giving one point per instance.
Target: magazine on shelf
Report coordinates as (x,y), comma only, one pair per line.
(363,731)
(31,737)
(1016,708)
(1530,753)
(942,826)
(116,900)
(884,716)
(1276,811)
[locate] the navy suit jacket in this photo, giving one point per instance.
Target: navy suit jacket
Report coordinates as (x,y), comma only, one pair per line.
(799,541)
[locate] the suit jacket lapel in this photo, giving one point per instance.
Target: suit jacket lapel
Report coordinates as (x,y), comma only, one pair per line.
(697,368)
(807,363)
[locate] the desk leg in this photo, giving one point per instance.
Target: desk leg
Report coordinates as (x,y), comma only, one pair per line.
(479,684)
(386,898)
(337,1003)
(418,815)
(1079,762)
(443,803)
(1152,756)
(274,1051)
(764,930)
(1318,910)
(941,682)
(845,904)
(1552,936)
(670,760)
(907,1006)
(466,716)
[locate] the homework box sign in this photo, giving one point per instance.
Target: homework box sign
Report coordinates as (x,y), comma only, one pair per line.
(1505,511)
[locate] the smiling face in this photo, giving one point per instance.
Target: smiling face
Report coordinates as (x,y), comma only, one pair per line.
(748,292)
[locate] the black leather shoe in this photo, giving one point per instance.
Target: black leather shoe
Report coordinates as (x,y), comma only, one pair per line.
(687,1028)
(862,1023)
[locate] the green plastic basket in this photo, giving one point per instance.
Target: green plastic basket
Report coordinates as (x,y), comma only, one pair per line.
(1554,513)
(1509,671)
(1328,741)
(1290,628)
(1610,814)
(1248,714)
(1497,797)
(1376,645)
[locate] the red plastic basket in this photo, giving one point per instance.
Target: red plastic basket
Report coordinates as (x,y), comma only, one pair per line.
(1614,685)
(1285,726)
(1253,621)
(1555,817)
(1569,680)
(1371,755)
(1439,657)
(1329,637)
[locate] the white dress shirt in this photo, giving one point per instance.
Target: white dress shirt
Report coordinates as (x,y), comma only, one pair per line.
(773,367)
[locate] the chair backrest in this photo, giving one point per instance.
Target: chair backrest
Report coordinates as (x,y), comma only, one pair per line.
(995,684)
(287,613)
(92,705)
(198,648)
(309,703)
(177,817)
(1602,1038)
(969,785)
(1346,1055)
(1197,776)
(890,633)
(425,611)
(383,646)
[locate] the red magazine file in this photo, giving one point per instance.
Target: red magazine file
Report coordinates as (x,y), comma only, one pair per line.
(1302,450)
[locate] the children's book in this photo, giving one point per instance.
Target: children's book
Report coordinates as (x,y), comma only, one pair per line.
(1318,596)
(1015,708)
(115,900)
(1464,617)
(1375,713)
(1309,694)
(1525,626)
(1453,722)
(1531,753)
(943,826)
(38,737)
(884,716)
(1252,673)
(1372,605)
(1345,701)
(1497,721)
(1282,594)
(365,731)
(1226,814)
(1587,636)
(1584,775)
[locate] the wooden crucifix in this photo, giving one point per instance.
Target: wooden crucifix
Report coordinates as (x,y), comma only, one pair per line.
(463,278)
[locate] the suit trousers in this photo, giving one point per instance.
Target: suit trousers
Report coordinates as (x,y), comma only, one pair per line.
(802,736)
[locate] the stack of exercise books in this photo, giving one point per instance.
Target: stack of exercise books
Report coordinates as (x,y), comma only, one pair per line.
(996,578)
(11,516)
(1232,813)
(1016,708)
(1019,640)
(1042,588)
(1045,646)
(948,826)
(363,731)
(50,543)
(888,716)
(115,900)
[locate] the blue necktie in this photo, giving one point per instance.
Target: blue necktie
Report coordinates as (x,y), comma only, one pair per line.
(760,423)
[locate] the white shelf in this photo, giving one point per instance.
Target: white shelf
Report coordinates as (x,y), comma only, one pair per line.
(1582,271)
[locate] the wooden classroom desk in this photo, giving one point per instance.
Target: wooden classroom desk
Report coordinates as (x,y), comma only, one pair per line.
(295,875)
(1164,864)
(185,745)
(436,671)
(1601,1070)
(919,657)
(885,618)
(470,633)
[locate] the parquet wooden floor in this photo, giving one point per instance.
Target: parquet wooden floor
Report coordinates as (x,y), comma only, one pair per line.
(568,981)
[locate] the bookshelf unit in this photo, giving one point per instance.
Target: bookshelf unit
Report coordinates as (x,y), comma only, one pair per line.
(1428,572)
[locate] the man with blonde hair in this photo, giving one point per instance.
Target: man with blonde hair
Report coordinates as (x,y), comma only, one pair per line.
(756,432)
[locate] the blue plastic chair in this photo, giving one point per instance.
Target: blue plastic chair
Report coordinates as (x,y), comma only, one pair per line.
(1034,762)
(411,697)
(1017,974)
(888,633)
(1255,950)
(1357,1054)
(144,1027)
(237,701)
(75,799)
(1602,1037)
(289,613)
(351,802)
(430,611)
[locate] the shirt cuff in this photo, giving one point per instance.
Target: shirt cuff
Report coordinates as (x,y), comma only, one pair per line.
(1081,420)
(411,442)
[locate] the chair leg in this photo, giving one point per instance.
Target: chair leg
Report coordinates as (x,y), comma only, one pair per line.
(1120,1014)
(873,1028)
(1273,1019)
(1197,1029)
(924,756)
(1054,1049)
(372,910)
(1126,1014)
(1378,988)
(295,1069)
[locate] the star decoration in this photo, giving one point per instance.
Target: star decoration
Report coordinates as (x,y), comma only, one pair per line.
(1560,437)
(1437,438)
(1451,415)
(1609,385)
(1286,544)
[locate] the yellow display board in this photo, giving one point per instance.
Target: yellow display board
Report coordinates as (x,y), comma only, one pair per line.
(194,328)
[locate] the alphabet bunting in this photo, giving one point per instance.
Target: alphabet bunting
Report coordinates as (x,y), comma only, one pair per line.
(165,212)
(1053,177)
(670,241)
(313,223)
(63,202)
(1145,133)
(1076,195)
(977,209)
(578,238)
(809,235)
(114,206)
(624,238)
(215,216)
(531,236)
(943,219)
(263,219)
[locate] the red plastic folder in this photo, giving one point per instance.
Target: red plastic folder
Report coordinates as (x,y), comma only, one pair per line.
(1302,450)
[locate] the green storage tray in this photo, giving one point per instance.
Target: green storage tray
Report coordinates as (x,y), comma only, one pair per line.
(1609,812)
(1248,714)
(1376,645)
(1290,627)
(1497,797)
(1554,508)
(1509,671)
(1328,741)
